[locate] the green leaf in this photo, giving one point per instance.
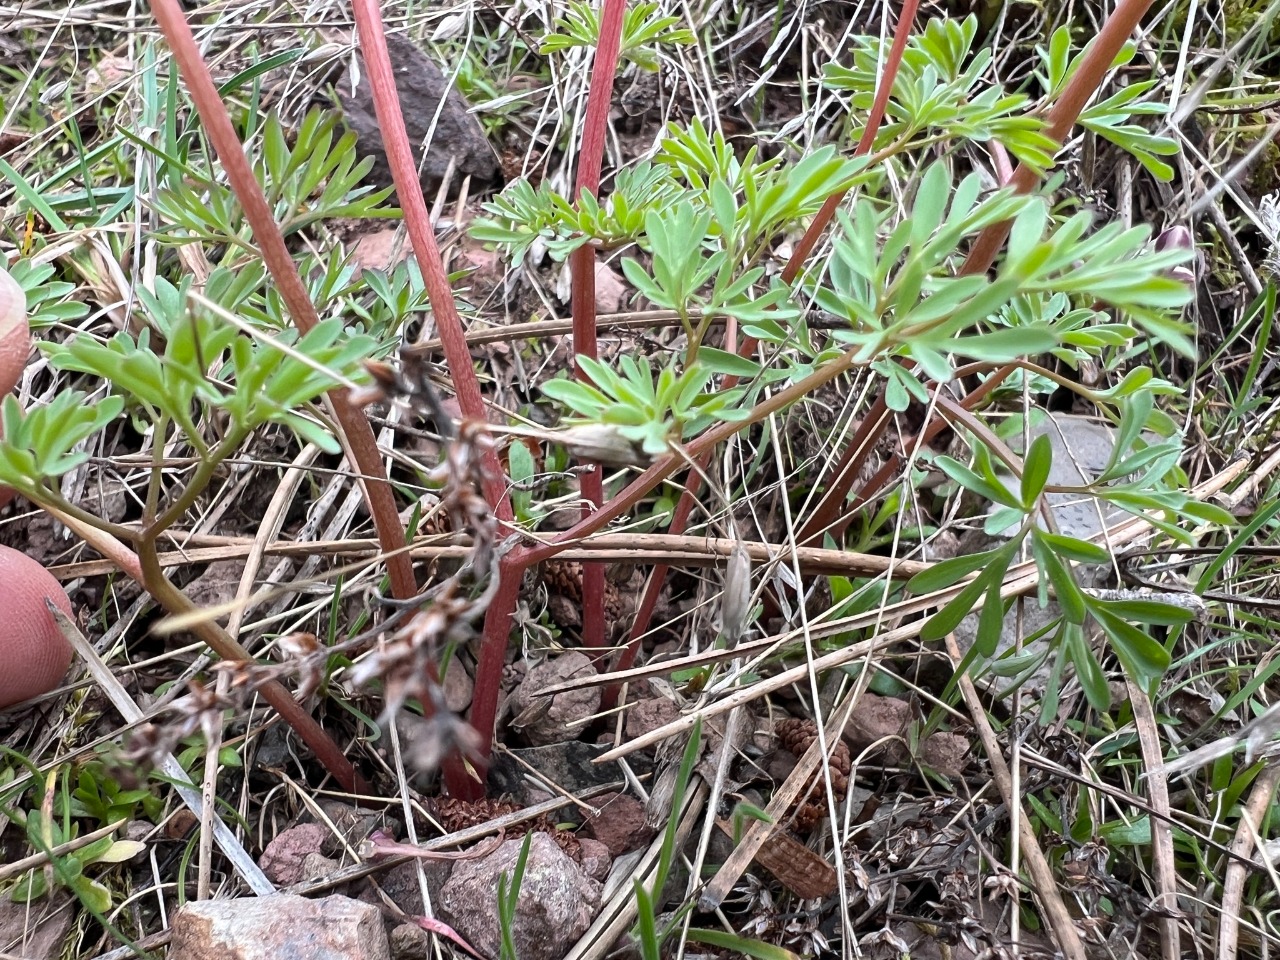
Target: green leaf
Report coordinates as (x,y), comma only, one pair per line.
(31,886)
(522,469)
(1073,548)
(1006,344)
(1070,598)
(1144,660)
(740,946)
(970,480)
(990,621)
(1148,611)
(1088,671)
(1136,833)
(949,617)
(1035,470)
(95,897)
(120,851)
(721,361)
(946,572)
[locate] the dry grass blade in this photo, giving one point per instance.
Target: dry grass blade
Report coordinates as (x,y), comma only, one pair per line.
(1261,795)
(619,910)
(1042,878)
(760,831)
(615,547)
(1165,868)
(18,867)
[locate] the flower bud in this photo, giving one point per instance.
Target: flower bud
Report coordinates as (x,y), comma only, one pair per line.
(1178,237)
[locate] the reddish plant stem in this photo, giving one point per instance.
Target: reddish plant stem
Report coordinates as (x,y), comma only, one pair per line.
(894,464)
(227,647)
(847,471)
(354,425)
(699,449)
(497,622)
(884,89)
(1062,116)
(583,264)
(355,429)
(386,99)
(488,686)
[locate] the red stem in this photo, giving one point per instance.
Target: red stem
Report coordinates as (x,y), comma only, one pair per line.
(497,621)
(284,272)
(1063,115)
(901,33)
(1061,118)
(386,99)
(583,265)
(352,423)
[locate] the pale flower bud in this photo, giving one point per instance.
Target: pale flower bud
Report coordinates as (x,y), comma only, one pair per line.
(1178,237)
(735,602)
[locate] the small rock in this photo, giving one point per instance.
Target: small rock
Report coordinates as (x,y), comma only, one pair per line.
(317,865)
(421,84)
(554,909)
(380,249)
(217,585)
(1080,449)
(612,291)
(568,765)
(874,719)
(596,860)
(565,612)
(282,925)
(621,824)
(400,884)
(282,860)
(180,824)
(556,719)
(410,942)
(885,720)
(355,824)
(945,753)
(36,930)
(646,716)
(458,687)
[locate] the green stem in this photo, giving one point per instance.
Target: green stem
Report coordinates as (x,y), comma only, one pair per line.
(195,487)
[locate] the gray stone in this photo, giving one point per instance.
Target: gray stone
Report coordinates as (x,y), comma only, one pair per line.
(554,909)
(279,927)
(1081,448)
(558,718)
